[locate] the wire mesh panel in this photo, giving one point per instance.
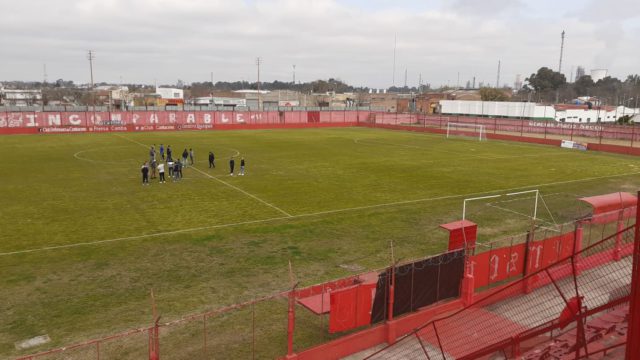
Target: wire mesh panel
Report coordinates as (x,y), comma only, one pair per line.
(531,311)
(134,345)
(183,340)
(82,352)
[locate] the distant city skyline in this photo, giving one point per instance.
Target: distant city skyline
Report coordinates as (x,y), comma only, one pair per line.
(148,41)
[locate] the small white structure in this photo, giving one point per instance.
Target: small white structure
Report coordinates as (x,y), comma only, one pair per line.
(508,109)
(219,101)
(19,97)
(533,111)
(170,93)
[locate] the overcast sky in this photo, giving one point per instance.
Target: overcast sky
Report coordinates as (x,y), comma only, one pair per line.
(142,41)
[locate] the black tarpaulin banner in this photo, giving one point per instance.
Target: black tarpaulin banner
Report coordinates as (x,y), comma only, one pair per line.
(419,284)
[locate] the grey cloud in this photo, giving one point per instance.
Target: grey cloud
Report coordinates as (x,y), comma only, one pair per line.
(143,40)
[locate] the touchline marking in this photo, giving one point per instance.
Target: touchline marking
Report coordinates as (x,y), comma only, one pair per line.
(360,141)
(221,181)
(366,207)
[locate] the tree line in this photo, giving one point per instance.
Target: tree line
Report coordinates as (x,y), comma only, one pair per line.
(547,85)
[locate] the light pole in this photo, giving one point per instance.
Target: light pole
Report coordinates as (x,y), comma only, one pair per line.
(627,101)
(258,62)
(92,57)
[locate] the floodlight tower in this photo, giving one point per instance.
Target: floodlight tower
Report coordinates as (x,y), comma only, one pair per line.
(91,56)
(561,51)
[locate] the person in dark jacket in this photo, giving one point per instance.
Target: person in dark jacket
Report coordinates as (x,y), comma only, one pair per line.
(185,156)
(145,174)
(176,170)
(212,159)
(241,167)
(232,164)
(169,151)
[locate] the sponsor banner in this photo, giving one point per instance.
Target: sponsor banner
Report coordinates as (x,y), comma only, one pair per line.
(503,263)
(568,144)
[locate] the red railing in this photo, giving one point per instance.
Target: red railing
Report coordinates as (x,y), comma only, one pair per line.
(527,314)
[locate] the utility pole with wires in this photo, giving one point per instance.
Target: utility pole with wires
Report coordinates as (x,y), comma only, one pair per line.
(395,43)
(498,78)
(561,51)
(91,56)
(258,62)
(405,77)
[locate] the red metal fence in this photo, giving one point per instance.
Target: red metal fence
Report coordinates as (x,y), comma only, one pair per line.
(596,133)
(531,317)
(103,121)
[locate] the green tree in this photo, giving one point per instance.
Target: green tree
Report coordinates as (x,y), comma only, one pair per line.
(583,85)
(546,79)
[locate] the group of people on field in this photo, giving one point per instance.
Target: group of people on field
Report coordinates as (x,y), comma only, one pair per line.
(174,168)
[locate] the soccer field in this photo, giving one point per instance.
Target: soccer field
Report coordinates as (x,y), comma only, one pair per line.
(83,242)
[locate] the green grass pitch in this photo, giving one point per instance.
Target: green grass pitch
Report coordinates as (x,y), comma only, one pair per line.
(82,242)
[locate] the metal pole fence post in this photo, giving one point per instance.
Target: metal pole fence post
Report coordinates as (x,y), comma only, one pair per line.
(204,330)
(571,133)
(633,345)
(253,329)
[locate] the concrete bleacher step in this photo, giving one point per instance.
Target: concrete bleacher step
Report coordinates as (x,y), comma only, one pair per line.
(602,332)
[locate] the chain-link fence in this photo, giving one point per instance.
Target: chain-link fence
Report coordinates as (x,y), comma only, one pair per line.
(527,315)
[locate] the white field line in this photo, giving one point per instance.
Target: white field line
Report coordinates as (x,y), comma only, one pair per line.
(221,181)
(77,156)
(464,155)
(366,207)
(242,191)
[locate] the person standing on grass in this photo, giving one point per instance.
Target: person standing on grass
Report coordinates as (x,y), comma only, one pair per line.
(154,164)
(185,155)
(212,159)
(170,165)
(232,164)
(162,152)
(145,174)
(242,167)
(161,171)
(176,170)
(191,155)
(169,151)
(152,153)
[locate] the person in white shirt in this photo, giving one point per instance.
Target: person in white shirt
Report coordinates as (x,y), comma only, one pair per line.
(170,165)
(161,172)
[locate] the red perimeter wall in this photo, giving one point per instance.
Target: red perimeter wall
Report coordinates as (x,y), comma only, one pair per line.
(83,122)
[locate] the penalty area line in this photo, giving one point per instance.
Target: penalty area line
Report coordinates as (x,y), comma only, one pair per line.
(396,203)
